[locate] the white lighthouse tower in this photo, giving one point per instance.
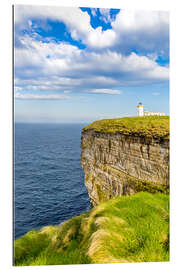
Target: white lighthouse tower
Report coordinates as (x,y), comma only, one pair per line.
(140,109)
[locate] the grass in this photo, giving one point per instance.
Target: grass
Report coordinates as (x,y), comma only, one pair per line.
(124,229)
(150,126)
(52,245)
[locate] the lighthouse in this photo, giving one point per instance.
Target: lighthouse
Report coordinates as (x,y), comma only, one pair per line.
(140,109)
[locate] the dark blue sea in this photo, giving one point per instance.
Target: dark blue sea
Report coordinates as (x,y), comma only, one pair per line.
(48,178)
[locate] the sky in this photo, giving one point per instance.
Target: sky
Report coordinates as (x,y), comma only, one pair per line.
(75,65)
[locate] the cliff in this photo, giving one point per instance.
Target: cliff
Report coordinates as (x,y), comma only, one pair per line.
(124,156)
(119,157)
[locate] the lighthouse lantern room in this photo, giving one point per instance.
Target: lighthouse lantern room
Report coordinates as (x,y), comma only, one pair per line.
(140,109)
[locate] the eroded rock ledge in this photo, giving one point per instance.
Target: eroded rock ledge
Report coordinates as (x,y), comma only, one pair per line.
(118,164)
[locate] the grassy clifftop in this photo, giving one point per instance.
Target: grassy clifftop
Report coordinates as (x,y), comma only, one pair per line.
(124,229)
(150,126)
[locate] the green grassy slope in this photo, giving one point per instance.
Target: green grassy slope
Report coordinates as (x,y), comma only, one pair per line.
(124,229)
(150,126)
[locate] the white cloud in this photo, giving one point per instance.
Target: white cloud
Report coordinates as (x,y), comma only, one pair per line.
(77,22)
(39,97)
(94,11)
(67,91)
(144,30)
(106,91)
(17,89)
(100,39)
(62,67)
(105,15)
(138,19)
(147,31)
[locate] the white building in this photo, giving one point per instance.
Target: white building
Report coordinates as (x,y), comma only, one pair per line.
(141,112)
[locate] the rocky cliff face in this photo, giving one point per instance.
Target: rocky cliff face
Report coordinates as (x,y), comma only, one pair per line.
(118,164)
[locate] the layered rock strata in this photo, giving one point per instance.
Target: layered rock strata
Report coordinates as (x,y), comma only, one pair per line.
(118,164)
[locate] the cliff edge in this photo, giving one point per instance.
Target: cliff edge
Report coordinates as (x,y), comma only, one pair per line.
(124,156)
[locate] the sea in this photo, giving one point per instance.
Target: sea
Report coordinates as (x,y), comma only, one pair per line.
(48,179)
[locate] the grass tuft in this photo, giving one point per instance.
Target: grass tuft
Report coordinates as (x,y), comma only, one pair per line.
(124,229)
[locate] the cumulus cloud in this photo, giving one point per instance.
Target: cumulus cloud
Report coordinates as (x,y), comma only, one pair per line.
(62,67)
(145,31)
(124,55)
(76,21)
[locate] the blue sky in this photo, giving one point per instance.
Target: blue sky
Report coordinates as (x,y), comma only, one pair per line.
(83,64)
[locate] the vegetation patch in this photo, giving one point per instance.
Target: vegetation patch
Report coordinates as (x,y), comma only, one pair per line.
(149,126)
(84,145)
(101,194)
(52,245)
(124,229)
